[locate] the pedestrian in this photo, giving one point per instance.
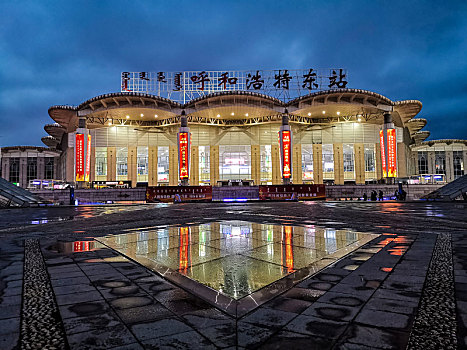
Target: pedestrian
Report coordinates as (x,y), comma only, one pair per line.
(380,195)
(365,197)
(373,195)
(403,195)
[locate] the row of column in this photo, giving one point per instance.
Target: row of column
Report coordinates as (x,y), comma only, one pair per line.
(359,164)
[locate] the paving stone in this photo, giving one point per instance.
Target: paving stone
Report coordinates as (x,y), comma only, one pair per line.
(316,326)
(130,302)
(143,313)
(332,312)
(286,304)
(101,338)
(268,317)
(250,336)
(305,294)
(9,341)
(375,337)
(384,319)
(188,340)
(222,335)
(10,325)
(291,340)
(88,323)
(81,297)
(383,293)
(159,328)
(84,309)
(399,306)
(207,317)
(69,281)
(76,288)
(341,299)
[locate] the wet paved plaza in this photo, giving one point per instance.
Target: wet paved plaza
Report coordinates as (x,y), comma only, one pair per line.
(404,286)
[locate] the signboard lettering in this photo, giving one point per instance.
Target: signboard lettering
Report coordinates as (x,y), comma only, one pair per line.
(79,157)
(286,166)
(183,156)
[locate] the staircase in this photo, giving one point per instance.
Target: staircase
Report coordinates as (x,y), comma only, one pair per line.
(11,195)
(451,191)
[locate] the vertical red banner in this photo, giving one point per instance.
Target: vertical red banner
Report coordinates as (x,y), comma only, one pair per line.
(183,155)
(184,233)
(79,157)
(286,166)
(88,159)
(392,153)
(383,153)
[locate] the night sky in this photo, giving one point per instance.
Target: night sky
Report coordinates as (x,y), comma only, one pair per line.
(65,52)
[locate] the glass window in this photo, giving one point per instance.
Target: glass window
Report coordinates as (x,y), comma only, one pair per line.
(440,162)
(307,162)
(266,163)
(32,168)
(122,162)
(163,164)
(458,164)
(142,160)
(328,162)
(49,168)
(422,162)
(14,170)
(101,161)
(369,157)
(204,164)
(235,162)
(348,154)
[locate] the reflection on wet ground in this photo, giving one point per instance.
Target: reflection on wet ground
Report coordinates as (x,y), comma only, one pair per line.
(37,216)
(235,258)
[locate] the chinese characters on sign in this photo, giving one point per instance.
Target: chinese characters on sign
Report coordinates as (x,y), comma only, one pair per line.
(383,153)
(284,83)
(392,170)
(88,159)
(79,156)
(286,164)
(388,152)
(183,156)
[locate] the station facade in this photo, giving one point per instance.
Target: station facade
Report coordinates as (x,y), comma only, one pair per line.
(234,135)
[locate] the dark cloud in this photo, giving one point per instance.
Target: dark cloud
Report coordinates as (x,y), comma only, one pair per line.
(63,52)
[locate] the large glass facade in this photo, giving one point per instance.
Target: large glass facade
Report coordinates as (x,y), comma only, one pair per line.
(307,163)
(235,162)
(266,164)
(458,164)
(163,164)
(440,162)
(204,165)
(142,164)
(122,163)
(422,162)
(328,162)
(349,162)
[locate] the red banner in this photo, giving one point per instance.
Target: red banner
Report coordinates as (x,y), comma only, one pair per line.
(79,157)
(183,154)
(88,159)
(392,153)
(286,166)
(383,153)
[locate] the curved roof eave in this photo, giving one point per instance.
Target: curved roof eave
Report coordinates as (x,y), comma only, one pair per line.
(50,141)
(407,109)
(63,115)
(233,93)
(129,94)
(368,94)
(420,136)
(446,141)
(55,130)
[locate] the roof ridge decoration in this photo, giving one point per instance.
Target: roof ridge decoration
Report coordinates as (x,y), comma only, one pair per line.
(230,93)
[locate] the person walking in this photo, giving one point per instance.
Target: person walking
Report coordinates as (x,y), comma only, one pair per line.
(365,197)
(380,197)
